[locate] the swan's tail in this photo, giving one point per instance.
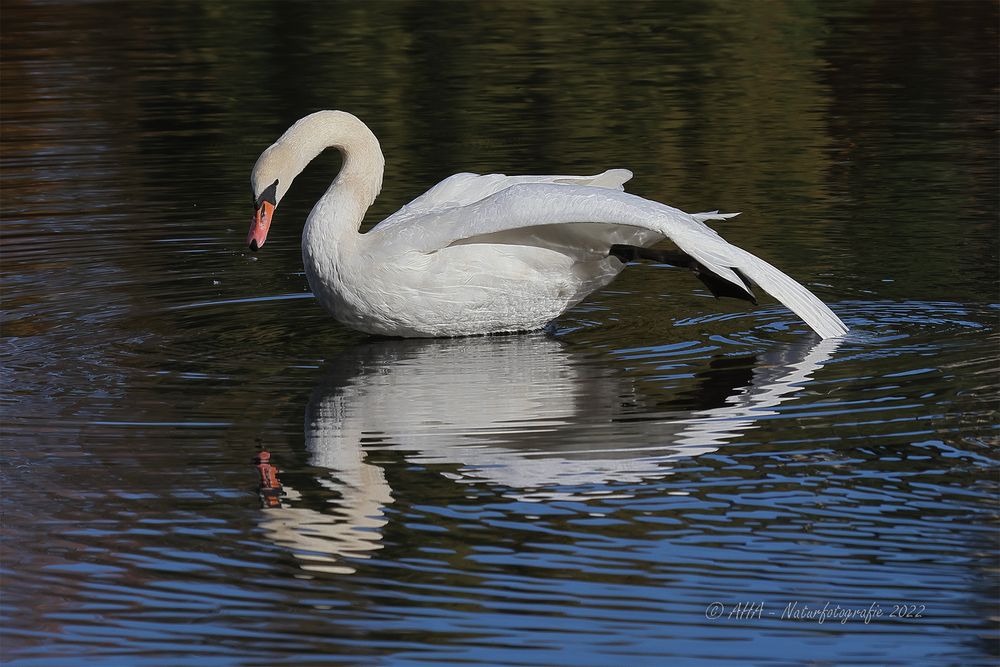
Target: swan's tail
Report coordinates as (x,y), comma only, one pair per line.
(723,258)
(712,215)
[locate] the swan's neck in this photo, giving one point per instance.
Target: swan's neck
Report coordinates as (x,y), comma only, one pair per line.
(334,220)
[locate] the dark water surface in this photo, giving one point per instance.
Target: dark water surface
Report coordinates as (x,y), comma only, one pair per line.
(574,498)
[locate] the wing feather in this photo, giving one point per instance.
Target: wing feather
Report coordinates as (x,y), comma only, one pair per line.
(468,188)
(520,209)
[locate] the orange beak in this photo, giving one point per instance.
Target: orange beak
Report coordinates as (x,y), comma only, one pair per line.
(261,223)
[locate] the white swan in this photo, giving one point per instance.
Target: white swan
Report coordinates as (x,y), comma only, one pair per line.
(483,254)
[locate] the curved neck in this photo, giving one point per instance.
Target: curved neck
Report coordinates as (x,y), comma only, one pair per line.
(339,212)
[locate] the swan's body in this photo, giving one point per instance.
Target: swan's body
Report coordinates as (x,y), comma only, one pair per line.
(485,254)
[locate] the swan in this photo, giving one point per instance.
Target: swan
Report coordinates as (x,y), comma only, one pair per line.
(480,254)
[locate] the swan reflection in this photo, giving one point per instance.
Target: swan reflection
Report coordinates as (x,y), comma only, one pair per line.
(528,413)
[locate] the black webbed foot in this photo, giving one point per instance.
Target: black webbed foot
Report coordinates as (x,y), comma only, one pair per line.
(717,285)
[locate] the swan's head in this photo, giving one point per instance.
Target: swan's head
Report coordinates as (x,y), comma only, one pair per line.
(278,166)
(268,181)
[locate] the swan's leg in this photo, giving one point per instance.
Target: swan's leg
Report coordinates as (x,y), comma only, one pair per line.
(716,285)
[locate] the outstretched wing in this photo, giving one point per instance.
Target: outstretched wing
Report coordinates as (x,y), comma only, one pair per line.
(467,188)
(590,219)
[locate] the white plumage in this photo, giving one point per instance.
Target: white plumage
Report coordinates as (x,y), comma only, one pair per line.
(483,254)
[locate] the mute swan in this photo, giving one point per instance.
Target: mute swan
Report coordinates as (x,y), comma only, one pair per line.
(484,254)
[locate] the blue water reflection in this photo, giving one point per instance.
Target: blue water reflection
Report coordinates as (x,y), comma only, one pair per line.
(519,412)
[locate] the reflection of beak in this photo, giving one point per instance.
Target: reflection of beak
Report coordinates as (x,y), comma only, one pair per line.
(261,223)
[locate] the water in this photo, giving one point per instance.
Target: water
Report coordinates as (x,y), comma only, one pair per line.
(578,497)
